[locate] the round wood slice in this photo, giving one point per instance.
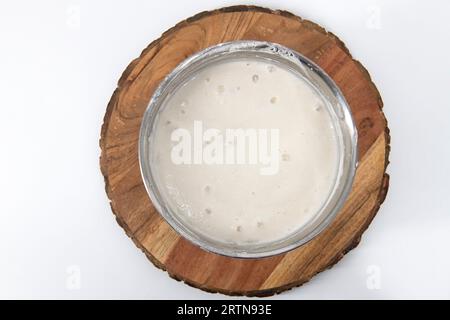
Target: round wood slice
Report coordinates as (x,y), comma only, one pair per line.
(143,224)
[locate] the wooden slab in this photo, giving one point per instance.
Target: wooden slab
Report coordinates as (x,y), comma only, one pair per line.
(129,200)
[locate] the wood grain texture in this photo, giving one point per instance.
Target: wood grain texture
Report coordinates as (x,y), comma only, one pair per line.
(129,200)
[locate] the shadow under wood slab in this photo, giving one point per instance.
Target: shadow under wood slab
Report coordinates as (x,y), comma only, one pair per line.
(142,223)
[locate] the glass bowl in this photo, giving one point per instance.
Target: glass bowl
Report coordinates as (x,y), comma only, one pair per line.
(337,107)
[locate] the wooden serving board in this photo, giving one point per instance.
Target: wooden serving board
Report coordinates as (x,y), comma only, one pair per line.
(143,224)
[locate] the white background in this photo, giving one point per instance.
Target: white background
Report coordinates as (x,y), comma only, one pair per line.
(59,64)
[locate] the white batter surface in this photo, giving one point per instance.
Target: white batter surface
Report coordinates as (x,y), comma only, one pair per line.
(235,202)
